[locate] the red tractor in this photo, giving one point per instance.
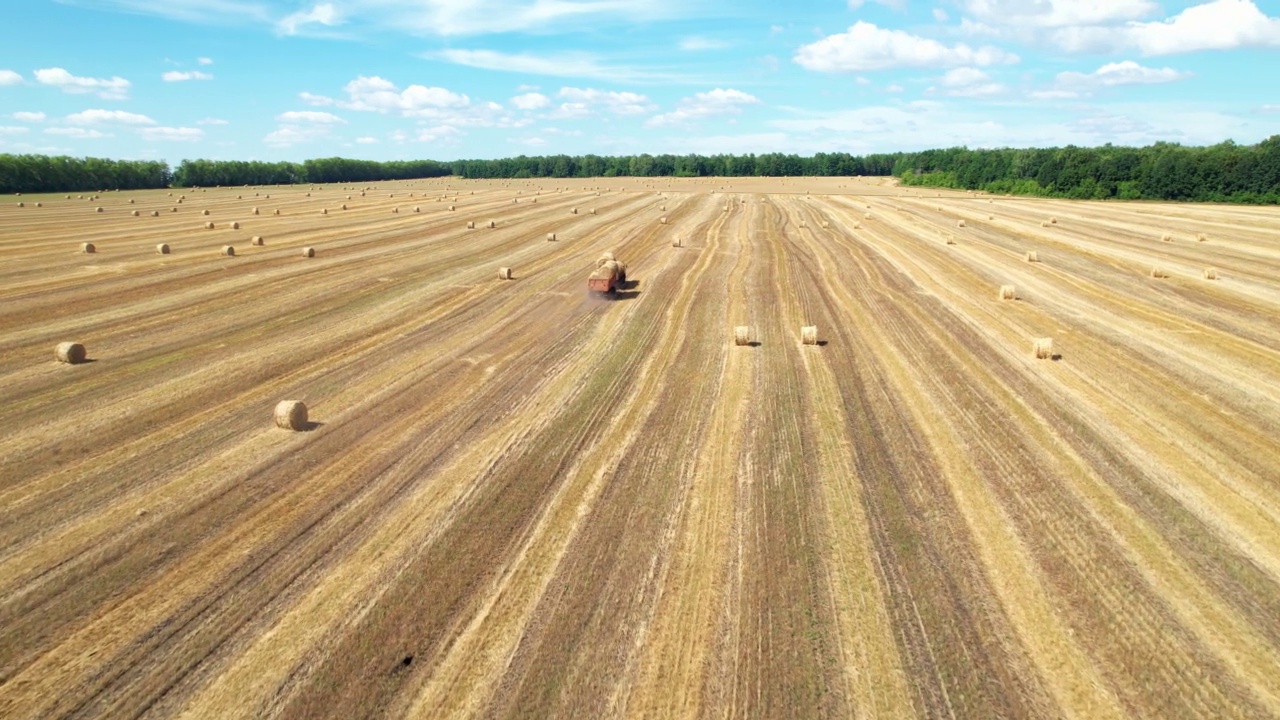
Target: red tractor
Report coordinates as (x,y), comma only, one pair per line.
(609,275)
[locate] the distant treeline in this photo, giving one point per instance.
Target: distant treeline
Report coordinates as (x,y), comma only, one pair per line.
(1164,171)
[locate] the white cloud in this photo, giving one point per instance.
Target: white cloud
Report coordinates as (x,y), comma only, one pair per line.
(376,94)
(177,134)
(116,88)
(1054,94)
(75,132)
(13,130)
(212,121)
(1121,73)
(530,141)
(566,64)
(32,117)
(176,76)
(587,100)
(322,14)
(287,135)
(695,43)
(97,116)
(522,88)
(366,141)
(895,88)
(531,101)
(1217,25)
(1268,109)
(316,100)
(309,116)
(9,77)
(940,15)
(895,4)
(969,82)
(435,18)
(868,47)
(204,61)
(1057,13)
(703,105)
(439,133)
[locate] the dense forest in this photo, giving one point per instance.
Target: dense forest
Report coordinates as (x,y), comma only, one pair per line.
(1164,171)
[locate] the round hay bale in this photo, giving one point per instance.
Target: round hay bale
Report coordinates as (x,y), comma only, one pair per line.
(991,217)
(22,204)
(348,197)
(551,237)
(857,226)
(742,335)
(675,242)
(662,221)
(452,208)
(39,204)
(960,223)
(1158,273)
(417,209)
(1167,237)
(208,225)
(1044,224)
(276,211)
(471,224)
(228,251)
(88,248)
(663,208)
(1043,348)
(135,213)
(493,224)
(804,224)
(504,273)
(130,201)
(809,335)
(163,248)
(1007,292)
(951,240)
(257,240)
(866,216)
(324,211)
(204,212)
(255,211)
(155,213)
(344,206)
(825,225)
(395,211)
(235,225)
(1032,256)
(593,211)
(98,210)
(1053,221)
(1211,273)
(574,211)
(173,209)
(291,415)
(308,252)
(70,353)
(1200,237)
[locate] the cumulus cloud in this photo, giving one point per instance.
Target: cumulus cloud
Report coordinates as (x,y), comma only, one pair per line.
(579,102)
(866,46)
(13,130)
(9,77)
(316,100)
(1127,72)
(531,101)
(204,61)
(212,121)
(376,94)
(288,135)
(32,117)
(1057,13)
(322,14)
(100,117)
(366,141)
(1216,25)
(703,105)
(176,76)
(309,116)
(969,82)
(75,132)
(115,88)
(171,134)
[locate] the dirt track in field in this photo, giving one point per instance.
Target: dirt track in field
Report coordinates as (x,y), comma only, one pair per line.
(517,499)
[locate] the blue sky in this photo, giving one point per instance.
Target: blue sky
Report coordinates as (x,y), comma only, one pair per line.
(446,79)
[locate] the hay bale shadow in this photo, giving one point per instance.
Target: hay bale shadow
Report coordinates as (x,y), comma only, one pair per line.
(822,343)
(623,295)
(310,426)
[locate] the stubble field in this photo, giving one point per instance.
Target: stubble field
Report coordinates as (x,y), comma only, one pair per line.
(516,499)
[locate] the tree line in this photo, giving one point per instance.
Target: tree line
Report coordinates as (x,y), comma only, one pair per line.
(1163,171)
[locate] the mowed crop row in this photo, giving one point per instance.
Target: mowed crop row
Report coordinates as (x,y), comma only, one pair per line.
(518,499)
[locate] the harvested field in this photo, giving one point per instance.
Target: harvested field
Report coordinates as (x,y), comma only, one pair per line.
(518,499)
